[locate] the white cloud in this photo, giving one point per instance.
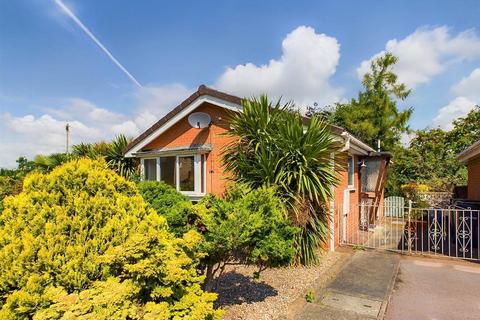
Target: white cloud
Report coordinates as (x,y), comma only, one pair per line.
(84,110)
(406,138)
(153,102)
(468,95)
(47,126)
(458,107)
(128,128)
(302,73)
(427,52)
(469,86)
(29,135)
(159,99)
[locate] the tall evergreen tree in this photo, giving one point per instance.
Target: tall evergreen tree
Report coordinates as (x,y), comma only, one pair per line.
(374,115)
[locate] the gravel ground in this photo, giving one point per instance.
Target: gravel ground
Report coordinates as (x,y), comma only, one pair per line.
(267,298)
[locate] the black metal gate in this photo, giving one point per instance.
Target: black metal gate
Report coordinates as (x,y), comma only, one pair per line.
(452,232)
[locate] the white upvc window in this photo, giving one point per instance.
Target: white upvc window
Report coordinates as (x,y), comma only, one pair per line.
(186,173)
(351,172)
(149,169)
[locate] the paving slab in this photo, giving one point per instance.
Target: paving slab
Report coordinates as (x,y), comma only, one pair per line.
(358,305)
(318,312)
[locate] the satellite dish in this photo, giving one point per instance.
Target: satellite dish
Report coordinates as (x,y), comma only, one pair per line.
(199,120)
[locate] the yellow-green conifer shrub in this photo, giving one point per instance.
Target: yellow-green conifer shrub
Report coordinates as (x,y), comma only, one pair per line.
(81,243)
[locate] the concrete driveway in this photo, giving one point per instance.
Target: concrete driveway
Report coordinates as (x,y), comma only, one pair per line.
(428,288)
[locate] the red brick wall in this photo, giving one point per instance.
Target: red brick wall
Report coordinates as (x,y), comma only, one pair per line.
(339,195)
(474,179)
(182,134)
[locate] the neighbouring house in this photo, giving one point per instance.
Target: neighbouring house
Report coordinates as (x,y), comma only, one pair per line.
(184,149)
(471,157)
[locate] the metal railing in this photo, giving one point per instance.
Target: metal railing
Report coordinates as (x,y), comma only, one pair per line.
(453,232)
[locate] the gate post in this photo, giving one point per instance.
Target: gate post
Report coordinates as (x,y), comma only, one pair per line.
(409,226)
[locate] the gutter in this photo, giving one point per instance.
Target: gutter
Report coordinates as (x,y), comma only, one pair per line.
(350,141)
(470,152)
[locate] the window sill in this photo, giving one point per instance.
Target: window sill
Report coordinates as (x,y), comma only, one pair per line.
(192,195)
(351,188)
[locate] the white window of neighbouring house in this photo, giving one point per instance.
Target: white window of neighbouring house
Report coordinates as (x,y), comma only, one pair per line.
(351,171)
(150,169)
(186,173)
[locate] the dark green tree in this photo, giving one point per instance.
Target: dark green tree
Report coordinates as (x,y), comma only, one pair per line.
(431,159)
(466,130)
(374,116)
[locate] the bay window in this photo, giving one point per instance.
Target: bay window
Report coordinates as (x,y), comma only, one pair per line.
(186,173)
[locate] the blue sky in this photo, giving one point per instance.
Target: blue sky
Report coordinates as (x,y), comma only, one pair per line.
(51,72)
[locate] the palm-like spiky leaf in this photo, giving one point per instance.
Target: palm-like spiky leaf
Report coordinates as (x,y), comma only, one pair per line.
(271,145)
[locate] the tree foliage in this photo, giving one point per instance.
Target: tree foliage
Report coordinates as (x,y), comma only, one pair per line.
(245,226)
(168,202)
(431,155)
(374,114)
(248,226)
(112,152)
(272,146)
(11,180)
(80,242)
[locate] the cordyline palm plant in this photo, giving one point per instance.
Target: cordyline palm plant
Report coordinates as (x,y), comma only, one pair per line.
(117,161)
(112,152)
(272,145)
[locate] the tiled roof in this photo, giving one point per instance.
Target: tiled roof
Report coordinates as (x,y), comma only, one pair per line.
(202,90)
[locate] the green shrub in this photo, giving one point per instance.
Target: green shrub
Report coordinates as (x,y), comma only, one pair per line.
(80,242)
(168,202)
(247,226)
(9,185)
(250,226)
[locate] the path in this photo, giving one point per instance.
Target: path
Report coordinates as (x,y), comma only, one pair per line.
(359,291)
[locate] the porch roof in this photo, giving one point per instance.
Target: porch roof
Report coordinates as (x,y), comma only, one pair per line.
(194,148)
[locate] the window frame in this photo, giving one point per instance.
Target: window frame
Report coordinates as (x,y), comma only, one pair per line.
(199,167)
(143,171)
(351,174)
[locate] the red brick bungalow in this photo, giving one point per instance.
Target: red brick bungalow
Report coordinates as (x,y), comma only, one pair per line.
(471,157)
(189,158)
